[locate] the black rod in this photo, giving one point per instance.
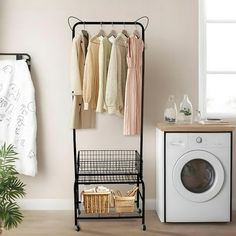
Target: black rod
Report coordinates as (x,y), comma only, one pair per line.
(231,171)
(74,132)
(76,191)
(19,56)
(100,216)
(107,23)
(75,152)
(16,54)
(142,102)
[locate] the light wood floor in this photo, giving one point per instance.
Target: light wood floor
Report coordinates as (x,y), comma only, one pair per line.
(60,223)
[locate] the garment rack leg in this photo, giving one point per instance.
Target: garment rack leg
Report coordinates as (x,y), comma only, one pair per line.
(143,206)
(138,195)
(75,202)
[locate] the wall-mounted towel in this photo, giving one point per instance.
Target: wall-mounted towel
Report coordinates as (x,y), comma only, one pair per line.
(17,113)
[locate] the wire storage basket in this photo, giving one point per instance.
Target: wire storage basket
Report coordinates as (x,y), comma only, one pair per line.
(108,166)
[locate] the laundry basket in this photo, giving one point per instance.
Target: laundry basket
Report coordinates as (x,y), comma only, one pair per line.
(124,204)
(96,202)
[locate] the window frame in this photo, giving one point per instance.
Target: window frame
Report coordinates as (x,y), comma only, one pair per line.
(202,60)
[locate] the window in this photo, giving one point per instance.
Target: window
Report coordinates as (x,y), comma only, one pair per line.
(217,58)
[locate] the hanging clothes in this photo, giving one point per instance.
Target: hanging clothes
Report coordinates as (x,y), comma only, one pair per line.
(78,55)
(116,77)
(91,75)
(103,61)
(133,90)
(80,119)
(85,35)
(18,124)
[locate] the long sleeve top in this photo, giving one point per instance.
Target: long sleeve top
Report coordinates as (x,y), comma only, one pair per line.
(77,64)
(116,77)
(103,61)
(91,75)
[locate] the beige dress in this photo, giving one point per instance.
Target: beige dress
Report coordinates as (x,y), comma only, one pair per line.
(116,77)
(80,119)
(133,90)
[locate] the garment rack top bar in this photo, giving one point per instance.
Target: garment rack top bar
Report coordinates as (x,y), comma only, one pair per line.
(136,22)
(107,23)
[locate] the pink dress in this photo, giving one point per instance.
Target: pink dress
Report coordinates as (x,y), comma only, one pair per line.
(133,89)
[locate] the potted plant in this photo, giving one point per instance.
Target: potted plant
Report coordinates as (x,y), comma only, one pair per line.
(11,189)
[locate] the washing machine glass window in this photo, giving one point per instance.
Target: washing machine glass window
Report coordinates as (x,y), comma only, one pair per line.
(198,175)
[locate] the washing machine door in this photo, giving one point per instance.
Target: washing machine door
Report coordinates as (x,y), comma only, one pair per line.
(198,176)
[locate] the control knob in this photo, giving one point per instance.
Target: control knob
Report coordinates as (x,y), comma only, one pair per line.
(199,139)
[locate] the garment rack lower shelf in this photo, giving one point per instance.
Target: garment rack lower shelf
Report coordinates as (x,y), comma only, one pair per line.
(111,215)
(109,167)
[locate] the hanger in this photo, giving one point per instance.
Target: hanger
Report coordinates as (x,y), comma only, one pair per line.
(101,33)
(112,33)
(124,32)
(84,31)
(136,33)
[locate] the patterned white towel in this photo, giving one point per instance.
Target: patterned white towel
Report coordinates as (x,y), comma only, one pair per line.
(18,124)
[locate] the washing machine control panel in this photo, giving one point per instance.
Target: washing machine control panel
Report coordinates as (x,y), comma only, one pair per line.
(181,141)
(202,140)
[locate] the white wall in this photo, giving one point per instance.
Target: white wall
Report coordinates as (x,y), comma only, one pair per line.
(40,28)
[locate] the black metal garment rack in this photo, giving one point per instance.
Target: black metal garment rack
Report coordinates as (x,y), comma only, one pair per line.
(110,166)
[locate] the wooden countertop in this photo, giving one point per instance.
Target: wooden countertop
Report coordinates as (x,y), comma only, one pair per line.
(196,127)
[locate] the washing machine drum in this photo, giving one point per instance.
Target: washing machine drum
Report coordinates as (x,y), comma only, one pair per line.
(198,176)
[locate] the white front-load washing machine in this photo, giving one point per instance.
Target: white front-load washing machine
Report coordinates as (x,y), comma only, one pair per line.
(194,176)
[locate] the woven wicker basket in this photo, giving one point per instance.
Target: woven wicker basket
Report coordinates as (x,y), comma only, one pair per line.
(124,204)
(96,202)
